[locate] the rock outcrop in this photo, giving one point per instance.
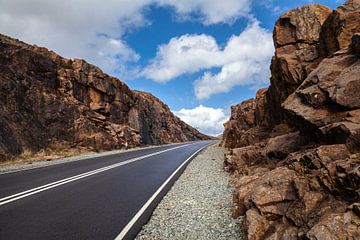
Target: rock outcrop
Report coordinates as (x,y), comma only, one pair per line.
(47,101)
(339,27)
(242,119)
(296,36)
(296,165)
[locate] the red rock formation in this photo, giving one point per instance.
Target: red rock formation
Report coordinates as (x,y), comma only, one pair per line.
(47,101)
(296,36)
(327,104)
(339,27)
(242,119)
(298,177)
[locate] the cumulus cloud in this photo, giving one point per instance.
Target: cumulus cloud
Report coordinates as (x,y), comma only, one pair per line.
(94,30)
(247,58)
(243,61)
(206,119)
(184,54)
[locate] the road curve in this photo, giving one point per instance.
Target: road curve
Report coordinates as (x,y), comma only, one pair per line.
(105,197)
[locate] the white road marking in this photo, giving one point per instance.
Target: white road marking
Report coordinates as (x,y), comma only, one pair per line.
(45,187)
(126,229)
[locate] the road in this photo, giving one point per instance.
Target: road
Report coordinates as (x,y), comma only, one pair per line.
(108,197)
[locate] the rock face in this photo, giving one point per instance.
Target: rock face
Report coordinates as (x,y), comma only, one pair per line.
(296,36)
(339,27)
(47,101)
(296,166)
(242,119)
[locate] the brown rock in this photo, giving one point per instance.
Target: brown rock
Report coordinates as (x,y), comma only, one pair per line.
(300,25)
(242,118)
(282,232)
(296,35)
(321,106)
(278,182)
(279,147)
(333,167)
(47,101)
(256,225)
(336,226)
(261,109)
(157,124)
(339,28)
(254,135)
(355,208)
(296,168)
(243,187)
(355,44)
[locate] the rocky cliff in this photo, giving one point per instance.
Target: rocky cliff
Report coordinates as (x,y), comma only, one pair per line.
(49,102)
(294,150)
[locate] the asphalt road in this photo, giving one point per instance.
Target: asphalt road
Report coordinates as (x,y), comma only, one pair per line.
(99,198)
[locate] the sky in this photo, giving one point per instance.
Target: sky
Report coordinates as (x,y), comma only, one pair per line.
(197,56)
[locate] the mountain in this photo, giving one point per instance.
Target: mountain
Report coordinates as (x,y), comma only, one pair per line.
(48,102)
(294,150)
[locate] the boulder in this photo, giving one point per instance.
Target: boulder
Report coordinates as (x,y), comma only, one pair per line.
(296,35)
(261,108)
(333,167)
(256,225)
(242,118)
(326,105)
(336,226)
(339,27)
(278,182)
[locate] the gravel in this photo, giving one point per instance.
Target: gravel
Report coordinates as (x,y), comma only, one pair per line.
(198,206)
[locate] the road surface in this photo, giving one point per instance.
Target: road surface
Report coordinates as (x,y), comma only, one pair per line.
(108,197)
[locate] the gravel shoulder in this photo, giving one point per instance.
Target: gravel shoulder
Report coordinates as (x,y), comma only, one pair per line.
(199,204)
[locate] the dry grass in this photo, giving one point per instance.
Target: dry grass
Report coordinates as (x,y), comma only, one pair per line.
(53,152)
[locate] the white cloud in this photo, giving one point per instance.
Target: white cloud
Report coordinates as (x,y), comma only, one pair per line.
(94,30)
(210,11)
(87,29)
(243,61)
(185,54)
(206,119)
(247,62)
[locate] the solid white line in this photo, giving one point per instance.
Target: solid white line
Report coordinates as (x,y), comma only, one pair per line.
(45,187)
(42,164)
(126,229)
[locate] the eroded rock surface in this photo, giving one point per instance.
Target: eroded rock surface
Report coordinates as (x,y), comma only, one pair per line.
(47,101)
(242,119)
(339,27)
(296,172)
(296,36)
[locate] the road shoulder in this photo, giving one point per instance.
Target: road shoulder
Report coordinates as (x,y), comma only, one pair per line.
(15,167)
(199,204)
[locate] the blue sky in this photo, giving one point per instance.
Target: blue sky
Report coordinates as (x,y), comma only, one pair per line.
(179,93)
(198,56)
